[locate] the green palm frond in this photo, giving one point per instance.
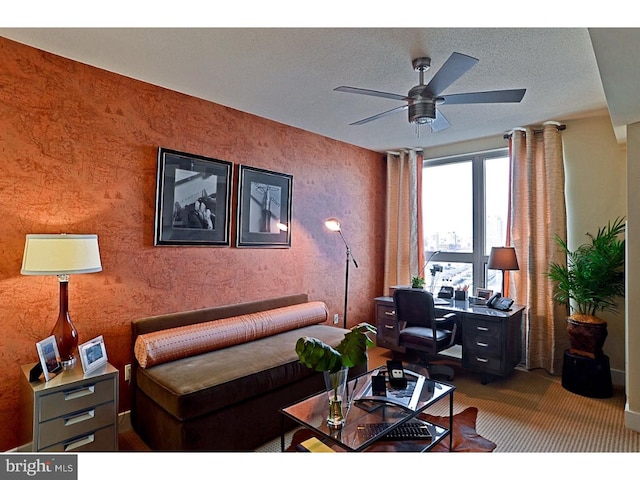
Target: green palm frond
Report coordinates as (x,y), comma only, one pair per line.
(593,277)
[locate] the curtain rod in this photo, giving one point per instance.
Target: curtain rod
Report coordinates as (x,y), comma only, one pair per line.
(558,127)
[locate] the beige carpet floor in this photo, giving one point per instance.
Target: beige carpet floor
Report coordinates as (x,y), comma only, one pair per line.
(530,411)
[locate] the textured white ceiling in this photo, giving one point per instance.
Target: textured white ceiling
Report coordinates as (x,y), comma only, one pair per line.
(288,74)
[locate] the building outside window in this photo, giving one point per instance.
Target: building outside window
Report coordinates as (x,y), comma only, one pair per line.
(465,207)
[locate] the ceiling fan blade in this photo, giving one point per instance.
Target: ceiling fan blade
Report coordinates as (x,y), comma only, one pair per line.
(497,96)
(373,93)
(380,115)
(455,66)
(440,122)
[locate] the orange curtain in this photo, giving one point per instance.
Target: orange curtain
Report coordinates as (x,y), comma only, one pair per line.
(538,213)
(401,239)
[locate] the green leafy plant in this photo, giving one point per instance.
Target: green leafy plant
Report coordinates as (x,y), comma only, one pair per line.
(417,282)
(593,276)
(351,351)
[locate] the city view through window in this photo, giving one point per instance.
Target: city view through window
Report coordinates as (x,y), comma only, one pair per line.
(454,194)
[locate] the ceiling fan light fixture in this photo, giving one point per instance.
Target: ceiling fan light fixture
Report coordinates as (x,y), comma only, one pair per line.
(422,112)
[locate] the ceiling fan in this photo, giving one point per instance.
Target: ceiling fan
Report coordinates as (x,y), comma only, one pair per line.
(423,100)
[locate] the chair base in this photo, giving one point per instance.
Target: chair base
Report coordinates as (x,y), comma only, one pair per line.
(444,371)
(433,370)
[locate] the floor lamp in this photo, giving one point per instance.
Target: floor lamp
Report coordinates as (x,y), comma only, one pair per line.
(334,225)
(62,255)
(503,258)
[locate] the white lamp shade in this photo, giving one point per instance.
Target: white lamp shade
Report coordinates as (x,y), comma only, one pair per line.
(62,254)
(332,224)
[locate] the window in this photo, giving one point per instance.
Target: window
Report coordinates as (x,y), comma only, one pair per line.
(465,201)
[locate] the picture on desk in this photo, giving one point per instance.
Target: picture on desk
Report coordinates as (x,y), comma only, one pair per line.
(484,293)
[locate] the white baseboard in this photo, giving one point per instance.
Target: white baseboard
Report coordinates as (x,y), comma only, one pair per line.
(631,419)
(618,377)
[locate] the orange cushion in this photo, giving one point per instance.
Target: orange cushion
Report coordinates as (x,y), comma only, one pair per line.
(180,342)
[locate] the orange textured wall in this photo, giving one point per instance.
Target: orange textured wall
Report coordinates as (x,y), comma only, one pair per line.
(78,152)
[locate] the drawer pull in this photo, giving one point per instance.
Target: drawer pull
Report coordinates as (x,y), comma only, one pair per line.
(81,417)
(482,329)
(482,360)
(389,327)
(390,314)
(79,443)
(79,392)
(482,344)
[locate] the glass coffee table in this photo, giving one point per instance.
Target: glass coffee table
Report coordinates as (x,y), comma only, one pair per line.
(372,421)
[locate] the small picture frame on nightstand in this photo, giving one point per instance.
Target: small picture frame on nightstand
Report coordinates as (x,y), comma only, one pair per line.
(93,354)
(49,357)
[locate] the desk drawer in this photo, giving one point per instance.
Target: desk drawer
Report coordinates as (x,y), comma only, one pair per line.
(387,326)
(483,345)
(483,363)
(385,312)
(473,327)
(102,440)
(75,424)
(78,397)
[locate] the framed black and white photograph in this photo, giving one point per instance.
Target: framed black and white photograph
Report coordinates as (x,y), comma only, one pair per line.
(193,200)
(484,293)
(93,354)
(264,208)
(49,357)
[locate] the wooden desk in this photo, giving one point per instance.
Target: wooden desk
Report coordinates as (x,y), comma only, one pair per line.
(491,339)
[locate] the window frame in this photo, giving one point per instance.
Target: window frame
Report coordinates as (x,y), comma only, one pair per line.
(477,258)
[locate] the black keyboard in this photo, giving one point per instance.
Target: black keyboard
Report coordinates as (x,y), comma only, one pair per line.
(406,431)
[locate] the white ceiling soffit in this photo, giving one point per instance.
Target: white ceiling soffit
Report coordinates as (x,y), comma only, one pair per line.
(618,58)
(289,74)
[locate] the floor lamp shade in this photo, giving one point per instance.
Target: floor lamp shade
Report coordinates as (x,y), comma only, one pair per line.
(62,255)
(503,258)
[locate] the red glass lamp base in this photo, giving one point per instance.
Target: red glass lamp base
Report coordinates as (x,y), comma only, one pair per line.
(64,331)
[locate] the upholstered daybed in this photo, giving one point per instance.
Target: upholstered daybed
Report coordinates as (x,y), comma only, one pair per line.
(214,379)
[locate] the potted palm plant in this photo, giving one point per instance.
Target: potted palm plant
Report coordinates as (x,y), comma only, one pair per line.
(335,363)
(590,282)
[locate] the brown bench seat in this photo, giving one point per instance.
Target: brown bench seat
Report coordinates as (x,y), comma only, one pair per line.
(228,398)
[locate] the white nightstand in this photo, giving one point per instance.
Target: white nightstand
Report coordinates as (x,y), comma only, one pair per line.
(72,412)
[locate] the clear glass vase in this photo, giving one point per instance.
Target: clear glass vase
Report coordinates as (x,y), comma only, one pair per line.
(336,384)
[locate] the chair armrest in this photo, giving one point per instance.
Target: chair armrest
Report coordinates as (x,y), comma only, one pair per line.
(447,321)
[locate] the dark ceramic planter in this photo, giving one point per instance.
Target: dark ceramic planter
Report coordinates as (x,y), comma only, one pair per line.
(587,335)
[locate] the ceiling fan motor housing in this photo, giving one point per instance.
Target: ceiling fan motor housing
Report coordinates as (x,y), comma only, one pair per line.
(421,109)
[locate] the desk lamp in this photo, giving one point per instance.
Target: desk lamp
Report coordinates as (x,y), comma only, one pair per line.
(62,255)
(334,225)
(503,258)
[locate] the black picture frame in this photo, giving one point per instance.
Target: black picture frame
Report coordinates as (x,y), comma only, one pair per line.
(193,200)
(264,208)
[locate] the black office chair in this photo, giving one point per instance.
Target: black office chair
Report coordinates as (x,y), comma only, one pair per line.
(420,330)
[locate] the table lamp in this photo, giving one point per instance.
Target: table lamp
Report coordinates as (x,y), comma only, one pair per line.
(62,255)
(503,258)
(334,225)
